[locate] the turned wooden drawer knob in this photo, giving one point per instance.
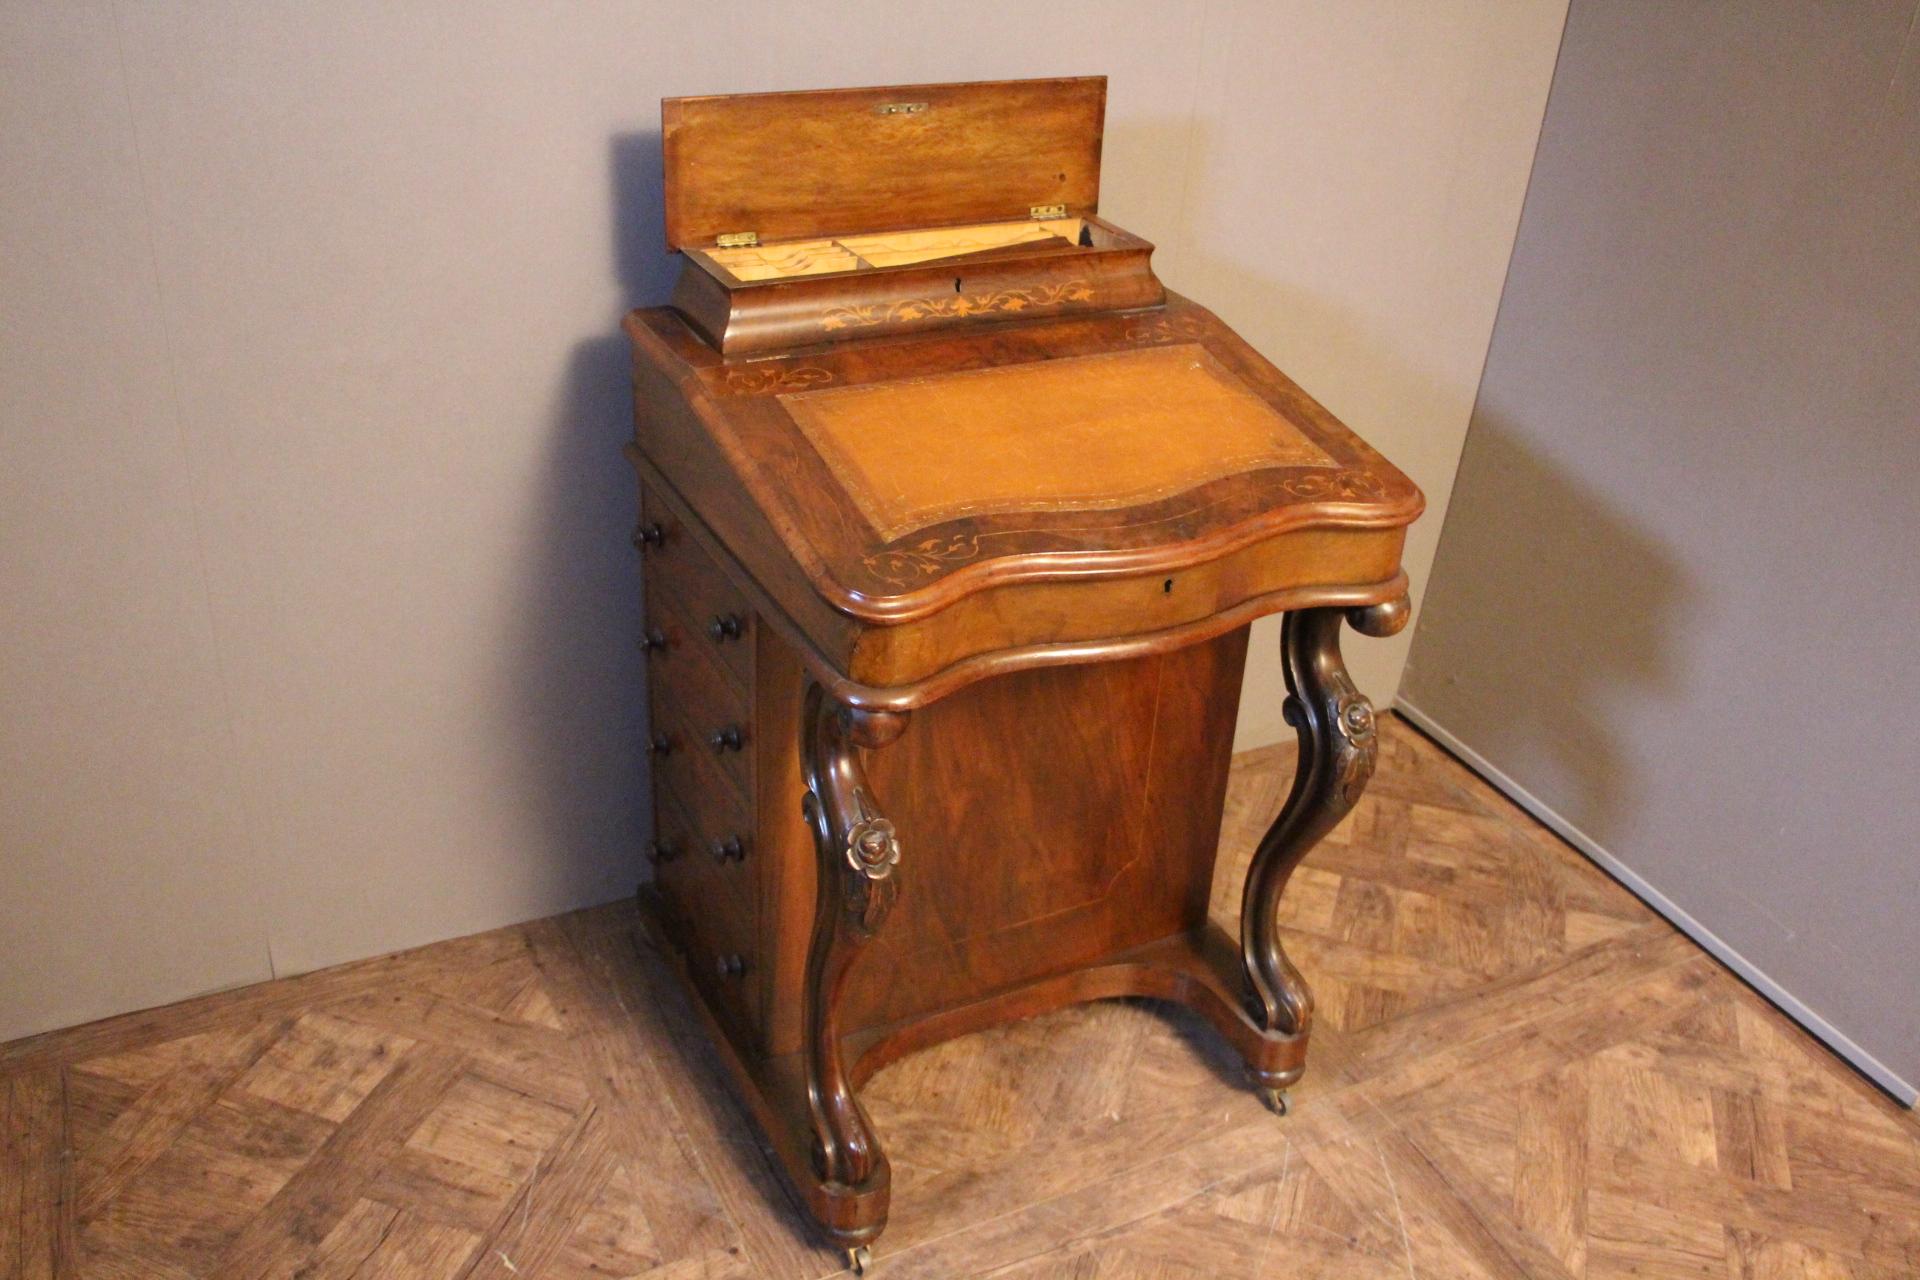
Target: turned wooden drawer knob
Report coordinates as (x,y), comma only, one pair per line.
(725,626)
(649,535)
(653,639)
(730,966)
(729,738)
(660,745)
(659,851)
(729,850)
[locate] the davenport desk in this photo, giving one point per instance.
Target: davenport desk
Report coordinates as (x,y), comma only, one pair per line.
(953,522)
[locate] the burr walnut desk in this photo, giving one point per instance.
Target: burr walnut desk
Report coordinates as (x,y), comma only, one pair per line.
(953,523)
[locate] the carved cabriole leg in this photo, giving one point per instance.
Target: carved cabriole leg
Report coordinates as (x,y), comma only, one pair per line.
(857,858)
(1338,746)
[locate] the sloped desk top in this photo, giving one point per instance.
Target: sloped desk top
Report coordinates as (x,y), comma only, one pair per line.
(924,510)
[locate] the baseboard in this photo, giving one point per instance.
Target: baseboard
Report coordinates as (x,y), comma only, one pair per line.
(1748,972)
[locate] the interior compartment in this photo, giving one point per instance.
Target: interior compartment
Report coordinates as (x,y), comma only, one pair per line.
(821,256)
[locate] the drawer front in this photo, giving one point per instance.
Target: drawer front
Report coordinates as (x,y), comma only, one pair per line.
(713,906)
(682,579)
(715,806)
(723,846)
(698,636)
(700,711)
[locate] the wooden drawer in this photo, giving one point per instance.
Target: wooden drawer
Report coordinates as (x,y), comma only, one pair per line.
(724,825)
(717,809)
(683,580)
(723,843)
(684,680)
(714,909)
(701,711)
(684,763)
(700,678)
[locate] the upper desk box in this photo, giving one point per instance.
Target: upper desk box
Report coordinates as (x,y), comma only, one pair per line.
(811,217)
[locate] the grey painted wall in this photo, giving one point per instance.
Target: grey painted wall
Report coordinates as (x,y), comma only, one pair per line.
(1676,598)
(315,595)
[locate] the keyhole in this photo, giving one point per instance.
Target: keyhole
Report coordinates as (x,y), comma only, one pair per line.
(956,284)
(1166,588)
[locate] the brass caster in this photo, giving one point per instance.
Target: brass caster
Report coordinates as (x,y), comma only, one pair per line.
(860,1259)
(1276,1100)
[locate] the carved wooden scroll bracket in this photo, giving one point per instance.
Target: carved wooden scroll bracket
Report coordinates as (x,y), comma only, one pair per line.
(858,856)
(1339,744)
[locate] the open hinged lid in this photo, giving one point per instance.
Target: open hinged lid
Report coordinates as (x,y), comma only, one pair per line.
(779,166)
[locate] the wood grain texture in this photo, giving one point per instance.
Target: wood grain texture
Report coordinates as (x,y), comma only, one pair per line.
(837,161)
(721,437)
(1107,269)
(917,662)
(1093,835)
(1519,1072)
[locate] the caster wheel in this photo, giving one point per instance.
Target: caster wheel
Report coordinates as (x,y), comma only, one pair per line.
(1276,1100)
(860,1259)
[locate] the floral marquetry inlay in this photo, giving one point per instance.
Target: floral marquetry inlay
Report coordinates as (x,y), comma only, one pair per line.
(1358,486)
(1179,328)
(760,381)
(927,558)
(959,306)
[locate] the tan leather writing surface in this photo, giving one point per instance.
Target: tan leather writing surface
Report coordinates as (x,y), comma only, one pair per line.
(1090,432)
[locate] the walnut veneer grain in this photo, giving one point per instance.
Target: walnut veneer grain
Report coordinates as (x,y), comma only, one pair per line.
(981,515)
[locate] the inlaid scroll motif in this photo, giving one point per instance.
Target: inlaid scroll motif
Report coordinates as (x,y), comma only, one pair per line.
(903,566)
(959,306)
(1181,328)
(757,381)
(1357,485)
(1339,743)
(856,881)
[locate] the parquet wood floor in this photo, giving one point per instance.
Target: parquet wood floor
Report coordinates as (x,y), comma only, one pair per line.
(1518,1073)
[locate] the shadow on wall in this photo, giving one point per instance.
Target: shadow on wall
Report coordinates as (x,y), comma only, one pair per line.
(1532,677)
(1602,563)
(1309,335)
(576,683)
(1278,317)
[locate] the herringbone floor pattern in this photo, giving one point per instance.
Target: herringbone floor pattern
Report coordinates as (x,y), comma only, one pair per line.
(1518,1073)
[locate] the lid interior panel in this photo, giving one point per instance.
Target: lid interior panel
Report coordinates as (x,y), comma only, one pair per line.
(848,161)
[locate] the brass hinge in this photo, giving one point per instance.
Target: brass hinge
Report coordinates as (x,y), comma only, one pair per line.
(737,240)
(1040,211)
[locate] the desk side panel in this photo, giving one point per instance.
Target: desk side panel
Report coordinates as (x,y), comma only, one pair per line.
(1049,818)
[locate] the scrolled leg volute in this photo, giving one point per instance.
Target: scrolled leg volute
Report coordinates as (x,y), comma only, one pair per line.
(858,857)
(1338,746)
